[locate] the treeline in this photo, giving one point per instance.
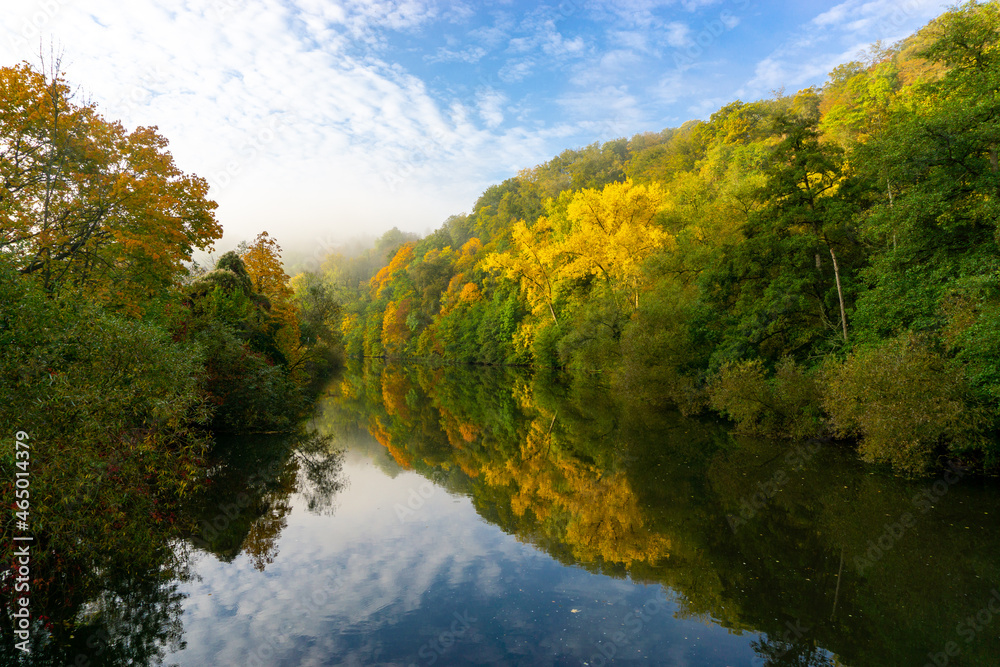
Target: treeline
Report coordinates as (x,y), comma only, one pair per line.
(116,362)
(820,264)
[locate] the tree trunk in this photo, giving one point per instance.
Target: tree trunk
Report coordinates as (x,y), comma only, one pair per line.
(888,188)
(840,292)
(552,311)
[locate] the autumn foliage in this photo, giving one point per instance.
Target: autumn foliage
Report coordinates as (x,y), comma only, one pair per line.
(88,206)
(116,360)
(773,243)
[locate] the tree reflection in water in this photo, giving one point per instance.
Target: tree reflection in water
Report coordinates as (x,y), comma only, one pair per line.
(602,481)
(597,481)
(134,614)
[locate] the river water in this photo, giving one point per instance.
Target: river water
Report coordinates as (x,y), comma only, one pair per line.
(457,516)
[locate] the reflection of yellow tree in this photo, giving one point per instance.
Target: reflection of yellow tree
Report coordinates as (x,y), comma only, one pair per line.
(384,438)
(460,434)
(594,511)
(395,386)
(601,514)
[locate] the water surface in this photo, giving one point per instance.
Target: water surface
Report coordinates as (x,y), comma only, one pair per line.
(484,517)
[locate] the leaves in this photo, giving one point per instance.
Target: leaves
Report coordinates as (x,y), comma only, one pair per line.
(88,206)
(755,248)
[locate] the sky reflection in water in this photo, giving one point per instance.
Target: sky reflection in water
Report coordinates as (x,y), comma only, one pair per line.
(373,584)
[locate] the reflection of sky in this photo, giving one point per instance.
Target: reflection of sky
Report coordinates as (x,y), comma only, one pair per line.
(365,587)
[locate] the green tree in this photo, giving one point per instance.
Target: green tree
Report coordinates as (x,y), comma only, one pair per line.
(774,289)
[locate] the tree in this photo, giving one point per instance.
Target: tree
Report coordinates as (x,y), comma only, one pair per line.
(857,104)
(396,268)
(531,263)
(804,183)
(262,259)
(934,243)
(773,290)
(611,233)
(86,205)
(938,232)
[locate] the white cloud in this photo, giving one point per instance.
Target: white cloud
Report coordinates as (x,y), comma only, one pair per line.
(555,44)
(366,16)
(887,17)
(516,70)
(543,35)
(605,112)
(494,35)
(834,15)
(835,36)
(292,125)
(635,13)
(471,55)
(635,40)
(303,115)
(678,34)
(490,104)
(694,5)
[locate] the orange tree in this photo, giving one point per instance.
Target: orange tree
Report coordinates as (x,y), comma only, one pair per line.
(262,260)
(86,205)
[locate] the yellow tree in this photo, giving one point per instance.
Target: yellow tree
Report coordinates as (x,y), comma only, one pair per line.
(611,232)
(532,262)
(397,266)
(396,332)
(262,259)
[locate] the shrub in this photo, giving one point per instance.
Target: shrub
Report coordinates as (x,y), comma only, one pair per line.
(250,392)
(661,363)
(108,405)
(904,401)
(787,405)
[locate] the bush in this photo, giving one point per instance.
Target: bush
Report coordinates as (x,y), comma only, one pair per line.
(787,405)
(592,337)
(905,401)
(249,392)
(108,404)
(661,363)
(544,346)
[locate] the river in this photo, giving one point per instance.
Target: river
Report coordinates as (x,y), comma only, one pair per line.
(459,516)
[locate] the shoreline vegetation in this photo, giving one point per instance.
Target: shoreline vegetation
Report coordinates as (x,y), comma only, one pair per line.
(119,358)
(817,265)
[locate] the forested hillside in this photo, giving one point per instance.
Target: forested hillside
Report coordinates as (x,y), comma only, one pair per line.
(817,264)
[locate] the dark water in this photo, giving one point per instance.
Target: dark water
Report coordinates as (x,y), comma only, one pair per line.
(482,517)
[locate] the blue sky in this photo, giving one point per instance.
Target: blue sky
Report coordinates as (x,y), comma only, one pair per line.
(320,120)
